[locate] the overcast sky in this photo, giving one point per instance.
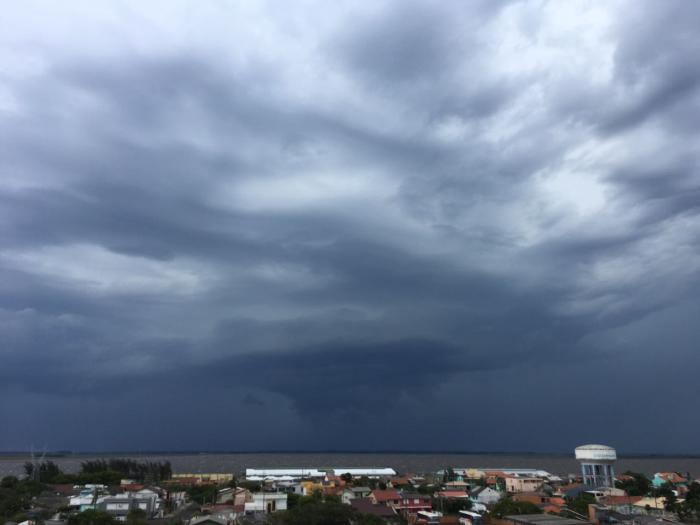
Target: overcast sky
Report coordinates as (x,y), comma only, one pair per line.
(350,225)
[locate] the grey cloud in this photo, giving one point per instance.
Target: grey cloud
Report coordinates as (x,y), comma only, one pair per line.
(376,268)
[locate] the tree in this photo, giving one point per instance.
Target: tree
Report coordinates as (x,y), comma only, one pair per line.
(16,497)
(9,482)
(634,484)
(150,471)
(506,506)
(425,489)
(315,512)
(91,517)
(347,477)
(579,504)
(252,486)
(137,517)
(448,475)
(45,472)
(454,505)
(689,510)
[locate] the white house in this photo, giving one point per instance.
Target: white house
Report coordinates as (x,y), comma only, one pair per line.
(266,502)
(352,493)
(485,495)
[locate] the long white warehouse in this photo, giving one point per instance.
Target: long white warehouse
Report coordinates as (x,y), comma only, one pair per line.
(275,473)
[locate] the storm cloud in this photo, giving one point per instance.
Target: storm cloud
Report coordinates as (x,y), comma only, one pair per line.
(372,225)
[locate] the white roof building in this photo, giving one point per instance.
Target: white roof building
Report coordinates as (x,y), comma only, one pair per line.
(287,474)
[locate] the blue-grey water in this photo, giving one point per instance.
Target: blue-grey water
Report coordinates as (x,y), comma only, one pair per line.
(401,462)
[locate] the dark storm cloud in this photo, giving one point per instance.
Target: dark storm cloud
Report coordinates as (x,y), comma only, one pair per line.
(402,208)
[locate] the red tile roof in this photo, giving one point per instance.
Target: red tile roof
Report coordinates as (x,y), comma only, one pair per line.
(620,500)
(366,506)
(385,495)
(452,494)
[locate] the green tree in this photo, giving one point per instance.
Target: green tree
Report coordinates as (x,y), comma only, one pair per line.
(16,496)
(315,512)
(506,506)
(9,482)
(136,517)
(689,510)
(91,517)
(45,472)
(579,504)
(636,484)
(454,505)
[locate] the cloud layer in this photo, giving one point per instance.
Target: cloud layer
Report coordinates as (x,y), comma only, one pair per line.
(346,228)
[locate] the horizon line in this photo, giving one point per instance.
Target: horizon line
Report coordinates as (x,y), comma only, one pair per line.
(336,451)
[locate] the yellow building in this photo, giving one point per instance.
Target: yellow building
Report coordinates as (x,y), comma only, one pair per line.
(311,486)
(216,477)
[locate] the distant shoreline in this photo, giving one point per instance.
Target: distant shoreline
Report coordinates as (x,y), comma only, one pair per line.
(66,454)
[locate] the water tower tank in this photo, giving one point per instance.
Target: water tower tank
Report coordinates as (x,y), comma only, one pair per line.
(597,465)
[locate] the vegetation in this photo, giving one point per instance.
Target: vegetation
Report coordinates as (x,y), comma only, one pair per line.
(46,472)
(579,504)
(506,506)
(252,486)
(319,510)
(149,471)
(638,485)
(106,472)
(16,496)
(364,481)
(689,510)
(91,517)
(452,505)
(424,488)
(201,494)
(449,475)
(137,517)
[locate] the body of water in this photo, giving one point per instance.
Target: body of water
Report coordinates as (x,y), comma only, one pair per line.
(401,462)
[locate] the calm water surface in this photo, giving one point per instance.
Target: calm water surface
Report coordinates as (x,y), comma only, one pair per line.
(401,462)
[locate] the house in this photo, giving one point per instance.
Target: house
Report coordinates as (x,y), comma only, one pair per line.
(207,520)
(400,481)
(175,499)
(227,512)
(309,487)
(672,478)
(451,494)
(542,519)
(552,504)
(235,496)
(63,489)
(485,495)
(366,506)
(621,504)
(571,490)
(388,497)
(120,505)
(515,484)
(456,485)
(650,506)
(353,493)
(265,502)
(411,503)
(215,478)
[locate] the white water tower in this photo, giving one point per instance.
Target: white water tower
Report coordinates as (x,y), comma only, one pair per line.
(597,465)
